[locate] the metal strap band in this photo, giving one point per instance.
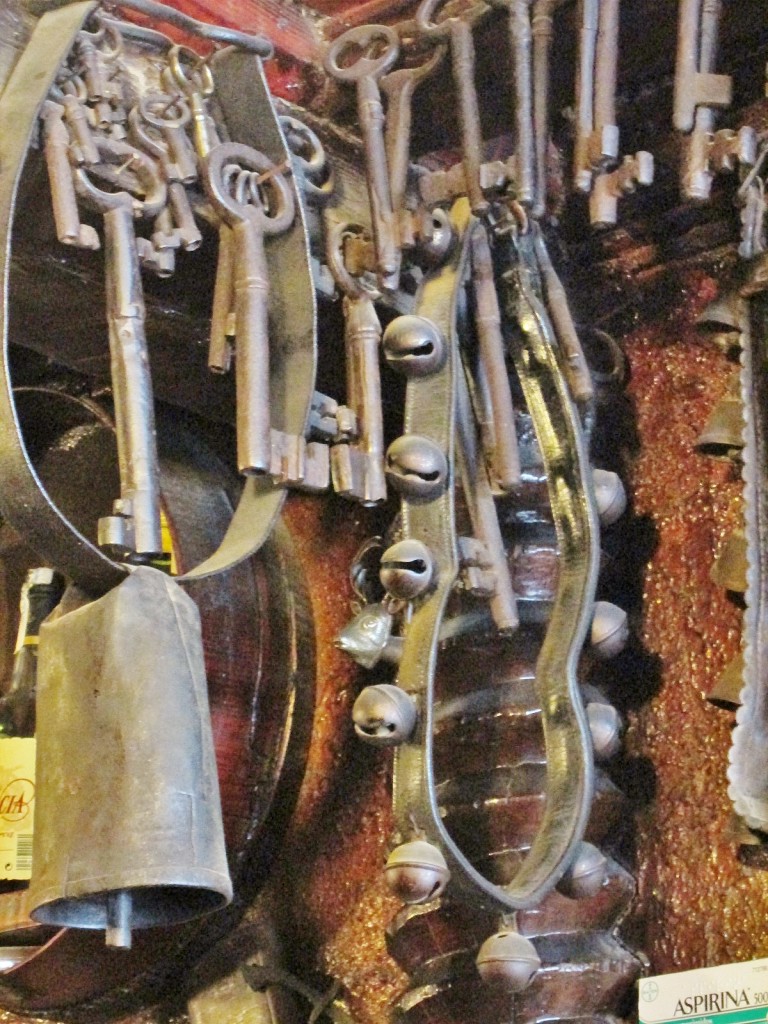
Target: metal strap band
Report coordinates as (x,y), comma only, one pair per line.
(430,411)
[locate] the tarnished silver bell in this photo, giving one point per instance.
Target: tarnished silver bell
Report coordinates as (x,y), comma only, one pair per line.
(407,569)
(414,346)
(605,727)
(384,715)
(610,629)
(586,875)
(416,871)
(416,467)
(610,496)
(509,959)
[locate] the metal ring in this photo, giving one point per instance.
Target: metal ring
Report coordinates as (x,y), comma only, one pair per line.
(161,120)
(199,79)
(353,287)
(218,179)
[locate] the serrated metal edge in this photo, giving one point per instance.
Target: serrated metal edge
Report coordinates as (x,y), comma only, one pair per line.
(752,808)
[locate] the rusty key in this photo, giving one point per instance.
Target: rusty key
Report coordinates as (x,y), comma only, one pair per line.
(399,87)
(458,31)
(521,41)
(188,73)
(139,504)
(347,61)
(158,123)
(358,465)
(505,456)
(254,206)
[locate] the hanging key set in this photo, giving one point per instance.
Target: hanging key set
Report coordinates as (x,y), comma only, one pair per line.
(152,152)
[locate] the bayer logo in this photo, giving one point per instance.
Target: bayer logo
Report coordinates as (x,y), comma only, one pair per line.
(649,991)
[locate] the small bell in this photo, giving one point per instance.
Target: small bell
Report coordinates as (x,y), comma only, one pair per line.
(726,693)
(729,570)
(722,314)
(407,569)
(605,728)
(722,437)
(384,715)
(586,875)
(610,496)
(416,872)
(414,346)
(610,630)
(509,959)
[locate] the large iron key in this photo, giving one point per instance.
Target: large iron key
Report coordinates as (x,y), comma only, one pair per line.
(399,87)
(347,61)
(521,40)
(458,31)
(483,513)
(357,463)
(139,505)
(158,114)
(254,206)
(189,73)
(504,456)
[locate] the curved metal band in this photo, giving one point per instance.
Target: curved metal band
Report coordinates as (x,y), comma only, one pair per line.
(430,411)
(23,499)
(259,45)
(570,767)
(247,107)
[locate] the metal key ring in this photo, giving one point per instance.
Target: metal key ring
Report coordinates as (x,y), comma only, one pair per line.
(167,102)
(352,287)
(314,164)
(147,173)
(364,67)
(107,30)
(199,78)
(442,29)
(218,175)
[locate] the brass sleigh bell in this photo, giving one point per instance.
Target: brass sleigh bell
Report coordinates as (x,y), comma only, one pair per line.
(128,828)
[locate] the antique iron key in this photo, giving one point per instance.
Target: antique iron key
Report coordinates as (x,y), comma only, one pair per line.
(358,466)
(458,31)
(262,205)
(399,87)
(365,72)
(135,527)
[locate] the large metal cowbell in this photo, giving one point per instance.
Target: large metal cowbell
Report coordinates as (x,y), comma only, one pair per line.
(128,827)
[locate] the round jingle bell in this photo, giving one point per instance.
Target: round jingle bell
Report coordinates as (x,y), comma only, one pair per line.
(416,872)
(586,875)
(384,715)
(508,959)
(610,630)
(407,569)
(414,346)
(605,729)
(610,495)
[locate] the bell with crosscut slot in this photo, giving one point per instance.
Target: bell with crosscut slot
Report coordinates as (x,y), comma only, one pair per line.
(128,827)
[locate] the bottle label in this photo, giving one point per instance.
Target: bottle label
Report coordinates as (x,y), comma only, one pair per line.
(17,806)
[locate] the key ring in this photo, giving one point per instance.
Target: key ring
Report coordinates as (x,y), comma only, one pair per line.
(223,165)
(352,287)
(144,167)
(199,78)
(167,103)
